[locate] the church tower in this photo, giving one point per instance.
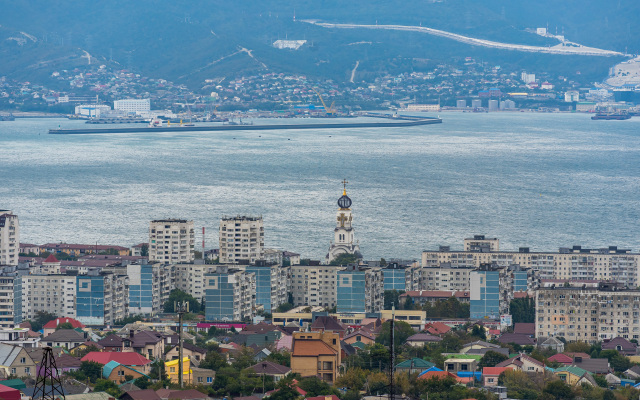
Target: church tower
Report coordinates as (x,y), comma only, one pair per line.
(343,240)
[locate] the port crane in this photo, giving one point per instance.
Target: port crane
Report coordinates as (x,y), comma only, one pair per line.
(331,110)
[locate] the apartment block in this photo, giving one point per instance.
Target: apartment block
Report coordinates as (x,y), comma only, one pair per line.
(101,298)
(360,289)
(10,300)
(481,243)
(230,295)
(444,277)
(9,238)
(140,288)
(241,240)
(271,284)
(589,314)
(171,241)
(399,276)
(314,285)
(575,263)
(190,278)
(55,294)
(163,284)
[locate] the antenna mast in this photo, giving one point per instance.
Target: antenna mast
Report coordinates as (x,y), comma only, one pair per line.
(48,372)
(392,356)
(181,307)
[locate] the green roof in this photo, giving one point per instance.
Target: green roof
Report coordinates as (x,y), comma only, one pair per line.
(577,371)
(416,363)
(14,383)
(359,345)
(465,356)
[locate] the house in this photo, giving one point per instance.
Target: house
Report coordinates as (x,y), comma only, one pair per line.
(612,380)
(571,375)
(524,328)
(272,369)
(118,373)
(517,338)
(561,358)
(112,343)
(437,328)
(331,397)
(190,373)
(633,372)
(361,335)
(551,343)
(622,345)
(482,352)
(478,345)
(192,351)
(145,394)
(445,375)
(148,343)
(420,339)
(328,324)
(524,363)
(64,363)
(66,338)
(86,345)
(15,360)
(454,365)
(188,394)
(261,354)
(490,375)
(414,365)
(131,359)
(316,354)
(593,365)
(9,393)
(51,326)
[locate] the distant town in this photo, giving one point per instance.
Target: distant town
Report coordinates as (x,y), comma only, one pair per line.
(479,322)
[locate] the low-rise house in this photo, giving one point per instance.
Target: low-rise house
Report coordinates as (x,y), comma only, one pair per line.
(414,365)
(574,375)
(64,363)
(524,328)
(112,343)
(477,345)
(490,375)
(517,338)
(148,343)
(328,324)
(361,336)
(622,345)
(84,346)
(118,373)
(316,354)
(593,365)
(51,326)
(66,338)
(186,394)
(272,369)
(524,363)
(633,372)
(191,374)
(144,394)
(420,339)
(437,328)
(14,360)
(195,353)
(551,343)
(454,365)
(128,358)
(561,359)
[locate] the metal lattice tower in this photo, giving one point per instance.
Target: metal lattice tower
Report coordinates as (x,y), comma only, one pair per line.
(48,383)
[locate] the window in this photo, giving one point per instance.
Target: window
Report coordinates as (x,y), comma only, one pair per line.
(23,360)
(209,379)
(13,371)
(172,369)
(121,373)
(199,379)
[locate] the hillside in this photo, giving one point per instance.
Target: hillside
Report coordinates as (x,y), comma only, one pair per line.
(191,41)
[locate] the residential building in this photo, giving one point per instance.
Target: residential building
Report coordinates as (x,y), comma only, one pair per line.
(490,375)
(316,354)
(268,368)
(65,338)
(360,289)
(589,314)
(55,294)
(481,243)
(53,325)
(193,352)
(116,372)
(190,278)
(9,238)
(15,360)
(431,296)
(575,263)
(443,278)
(132,106)
(10,299)
(241,240)
(163,284)
(271,284)
(314,285)
(398,276)
(524,363)
(489,293)
(101,299)
(230,295)
(455,365)
(171,241)
(79,250)
(344,240)
(141,288)
(191,375)
(129,358)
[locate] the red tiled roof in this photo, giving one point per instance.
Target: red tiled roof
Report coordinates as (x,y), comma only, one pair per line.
(146,394)
(493,370)
(54,324)
(520,295)
(561,358)
(439,375)
(51,259)
(124,358)
(312,348)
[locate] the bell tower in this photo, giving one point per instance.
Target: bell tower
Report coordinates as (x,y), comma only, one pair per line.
(343,234)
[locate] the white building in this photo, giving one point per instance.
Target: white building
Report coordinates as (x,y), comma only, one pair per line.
(527,78)
(132,106)
(55,294)
(9,307)
(92,110)
(571,96)
(289,44)
(171,241)
(9,238)
(423,107)
(190,278)
(343,235)
(314,285)
(443,278)
(481,243)
(241,240)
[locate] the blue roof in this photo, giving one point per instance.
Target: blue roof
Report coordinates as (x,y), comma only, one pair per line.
(429,370)
(469,374)
(108,368)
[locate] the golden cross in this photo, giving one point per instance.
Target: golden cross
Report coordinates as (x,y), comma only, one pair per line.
(344,183)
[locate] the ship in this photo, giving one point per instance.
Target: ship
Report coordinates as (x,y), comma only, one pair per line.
(618,115)
(9,117)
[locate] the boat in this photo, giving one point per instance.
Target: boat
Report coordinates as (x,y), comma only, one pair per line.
(611,115)
(9,117)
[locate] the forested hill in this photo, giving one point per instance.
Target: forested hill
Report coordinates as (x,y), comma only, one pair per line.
(189,41)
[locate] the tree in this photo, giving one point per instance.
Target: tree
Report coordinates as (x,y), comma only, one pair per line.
(392,298)
(315,387)
(144,251)
(377,382)
(491,358)
(344,259)
(450,308)
(383,263)
(559,390)
(91,370)
(142,382)
(352,379)
(128,320)
(401,331)
(41,318)
(282,357)
(285,393)
(479,332)
(64,325)
(178,295)
(214,361)
(284,307)
(577,347)
(523,310)
(105,385)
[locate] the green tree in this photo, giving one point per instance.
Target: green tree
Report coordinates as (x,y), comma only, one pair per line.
(479,332)
(41,318)
(285,393)
(128,320)
(401,331)
(64,325)
(214,361)
(392,298)
(577,347)
(344,259)
(450,308)
(352,379)
(142,382)
(559,390)
(284,307)
(178,295)
(144,250)
(105,385)
(491,358)
(523,310)
(315,387)
(282,357)
(91,370)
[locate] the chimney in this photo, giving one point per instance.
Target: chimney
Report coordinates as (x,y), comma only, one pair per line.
(131,333)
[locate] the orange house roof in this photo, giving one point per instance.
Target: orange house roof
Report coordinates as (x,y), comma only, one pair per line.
(312,348)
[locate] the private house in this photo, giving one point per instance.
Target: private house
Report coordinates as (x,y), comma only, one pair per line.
(64,362)
(362,336)
(193,352)
(621,345)
(272,369)
(524,363)
(478,345)
(633,372)
(437,328)
(66,338)
(148,343)
(524,328)
(517,338)
(455,365)
(186,394)
(420,339)
(316,354)
(51,326)
(490,375)
(118,373)
(112,343)
(190,373)
(574,376)
(561,359)
(414,365)
(14,360)
(144,394)
(87,344)
(593,365)
(552,343)
(328,324)
(128,358)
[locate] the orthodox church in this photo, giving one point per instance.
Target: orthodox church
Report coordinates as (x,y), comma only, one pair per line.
(344,241)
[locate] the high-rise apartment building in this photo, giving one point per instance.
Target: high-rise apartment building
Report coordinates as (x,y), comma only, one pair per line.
(9,238)
(314,285)
(190,278)
(171,241)
(55,294)
(360,290)
(399,277)
(271,284)
(443,278)
(241,240)
(230,295)
(481,243)
(140,288)
(101,299)
(489,293)
(10,300)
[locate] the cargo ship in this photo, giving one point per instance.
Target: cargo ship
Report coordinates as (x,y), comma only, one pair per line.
(611,116)
(392,121)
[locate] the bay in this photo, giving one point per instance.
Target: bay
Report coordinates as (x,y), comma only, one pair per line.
(532,179)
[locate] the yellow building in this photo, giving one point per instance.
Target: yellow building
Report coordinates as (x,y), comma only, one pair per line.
(316,354)
(415,318)
(172,370)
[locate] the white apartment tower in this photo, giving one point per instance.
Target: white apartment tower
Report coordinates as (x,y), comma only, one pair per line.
(241,240)
(132,106)
(344,241)
(50,293)
(171,241)
(9,238)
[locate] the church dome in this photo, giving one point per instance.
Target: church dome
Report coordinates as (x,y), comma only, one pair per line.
(344,201)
